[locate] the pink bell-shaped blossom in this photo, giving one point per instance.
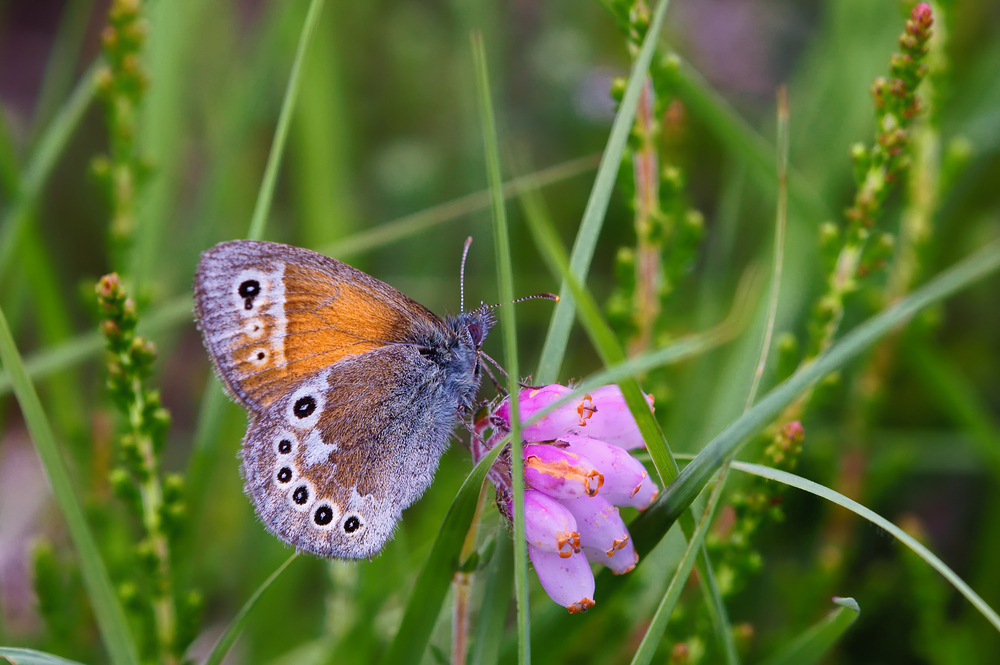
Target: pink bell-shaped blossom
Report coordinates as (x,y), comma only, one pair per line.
(577,471)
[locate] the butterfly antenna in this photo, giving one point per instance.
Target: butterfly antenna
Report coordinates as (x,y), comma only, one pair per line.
(537,296)
(461,275)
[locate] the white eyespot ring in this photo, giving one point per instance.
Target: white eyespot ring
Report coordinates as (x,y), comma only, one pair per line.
(254,328)
(306,405)
(324,515)
(301,495)
(352,524)
(258,356)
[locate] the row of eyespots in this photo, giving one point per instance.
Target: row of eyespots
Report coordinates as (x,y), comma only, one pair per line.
(324,513)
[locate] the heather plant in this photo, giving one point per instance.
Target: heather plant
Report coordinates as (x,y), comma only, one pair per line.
(759,424)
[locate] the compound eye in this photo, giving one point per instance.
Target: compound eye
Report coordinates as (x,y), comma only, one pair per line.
(477,333)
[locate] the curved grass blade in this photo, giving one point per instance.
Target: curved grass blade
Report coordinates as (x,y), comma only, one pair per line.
(263,206)
(431,587)
(597,205)
(409,225)
(235,627)
(15,656)
(816,642)
(652,524)
(876,519)
(505,279)
(107,610)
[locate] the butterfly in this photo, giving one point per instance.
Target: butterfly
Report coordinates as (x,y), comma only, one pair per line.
(353,389)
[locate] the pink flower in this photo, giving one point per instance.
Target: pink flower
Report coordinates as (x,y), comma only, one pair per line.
(577,471)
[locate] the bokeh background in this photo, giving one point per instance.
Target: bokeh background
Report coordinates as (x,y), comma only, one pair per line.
(386,127)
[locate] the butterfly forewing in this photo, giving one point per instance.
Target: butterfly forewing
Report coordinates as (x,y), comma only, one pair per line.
(331,465)
(273,315)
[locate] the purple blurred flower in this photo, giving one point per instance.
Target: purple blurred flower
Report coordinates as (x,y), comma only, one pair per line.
(577,470)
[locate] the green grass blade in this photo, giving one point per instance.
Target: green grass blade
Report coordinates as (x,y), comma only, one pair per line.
(505,279)
(39,167)
(876,519)
(107,610)
(410,225)
(602,337)
(235,627)
(434,579)
(816,642)
(654,633)
(611,353)
(496,600)
(597,205)
(266,194)
(651,525)
(15,656)
(74,351)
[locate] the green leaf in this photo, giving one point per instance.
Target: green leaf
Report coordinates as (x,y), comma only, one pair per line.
(107,611)
(651,525)
(597,205)
(816,642)
(505,278)
(435,576)
(235,627)
(876,519)
(16,656)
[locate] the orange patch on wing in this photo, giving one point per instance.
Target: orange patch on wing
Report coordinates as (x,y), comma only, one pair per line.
(326,321)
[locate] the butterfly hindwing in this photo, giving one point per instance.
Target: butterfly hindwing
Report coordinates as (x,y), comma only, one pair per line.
(273,315)
(331,465)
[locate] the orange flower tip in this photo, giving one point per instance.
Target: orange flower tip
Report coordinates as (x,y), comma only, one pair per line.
(617,545)
(593,482)
(580,606)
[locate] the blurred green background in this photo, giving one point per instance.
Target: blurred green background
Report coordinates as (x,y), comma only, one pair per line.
(386,126)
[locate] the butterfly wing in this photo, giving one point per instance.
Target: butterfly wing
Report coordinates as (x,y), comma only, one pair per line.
(331,465)
(273,315)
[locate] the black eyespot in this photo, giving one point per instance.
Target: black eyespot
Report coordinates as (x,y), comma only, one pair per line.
(260,355)
(284,446)
(249,289)
(284,475)
(352,524)
(477,333)
(323,515)
(301,495)
(304,407)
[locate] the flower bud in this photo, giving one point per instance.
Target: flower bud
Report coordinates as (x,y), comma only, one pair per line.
(548,526)
(624,475)
(560,474)
(568,581)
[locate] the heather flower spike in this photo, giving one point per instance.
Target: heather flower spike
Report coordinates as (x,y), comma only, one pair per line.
(577,471)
